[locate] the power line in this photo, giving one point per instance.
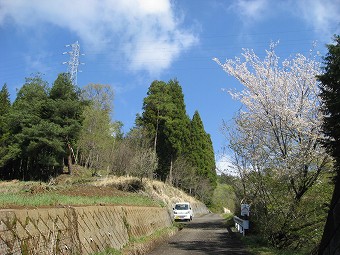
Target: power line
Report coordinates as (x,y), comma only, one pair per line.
(73,63)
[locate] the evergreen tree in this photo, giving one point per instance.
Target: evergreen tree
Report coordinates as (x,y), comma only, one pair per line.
(330,94)
(31,144)
(201,150)
(5,105)
(66,111)
(177,125)
(5,102)
(155,108)
(164,116)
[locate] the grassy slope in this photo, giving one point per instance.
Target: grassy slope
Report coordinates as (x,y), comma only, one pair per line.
(83,189)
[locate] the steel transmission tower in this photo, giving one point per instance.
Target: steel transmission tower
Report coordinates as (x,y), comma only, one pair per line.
(73,63)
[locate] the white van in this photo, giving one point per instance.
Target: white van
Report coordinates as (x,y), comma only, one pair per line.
(183,211)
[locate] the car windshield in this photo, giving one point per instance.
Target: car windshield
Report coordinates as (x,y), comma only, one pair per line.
(181,207)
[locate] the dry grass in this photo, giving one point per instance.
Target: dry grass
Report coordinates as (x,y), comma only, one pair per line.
(66,189)
(154,189)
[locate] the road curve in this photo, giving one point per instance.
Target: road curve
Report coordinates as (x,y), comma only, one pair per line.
(204,235)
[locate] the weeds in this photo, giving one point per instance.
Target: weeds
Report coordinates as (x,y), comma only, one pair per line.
(54,199)
(108,251)
(258,246)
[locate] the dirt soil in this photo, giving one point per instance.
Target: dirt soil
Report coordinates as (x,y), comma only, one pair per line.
(62,185)
(92,191)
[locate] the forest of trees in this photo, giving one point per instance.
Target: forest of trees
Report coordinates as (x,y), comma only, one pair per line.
(49,128)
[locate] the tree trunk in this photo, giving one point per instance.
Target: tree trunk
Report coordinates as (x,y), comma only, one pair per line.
(155,141)
(69,159)
(170,172)
(330,242)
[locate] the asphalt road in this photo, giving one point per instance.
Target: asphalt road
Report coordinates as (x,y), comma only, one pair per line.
(204,235)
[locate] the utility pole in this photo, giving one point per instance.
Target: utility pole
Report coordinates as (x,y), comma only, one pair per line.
(73,63)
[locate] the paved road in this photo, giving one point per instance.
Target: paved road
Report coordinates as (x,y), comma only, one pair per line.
(204,235)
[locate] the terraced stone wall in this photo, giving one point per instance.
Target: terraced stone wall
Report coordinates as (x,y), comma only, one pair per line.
(76,230)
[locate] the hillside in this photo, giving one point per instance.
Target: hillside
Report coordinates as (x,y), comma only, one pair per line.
(83,189)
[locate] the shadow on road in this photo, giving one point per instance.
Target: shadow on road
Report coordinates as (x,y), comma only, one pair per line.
(217,239)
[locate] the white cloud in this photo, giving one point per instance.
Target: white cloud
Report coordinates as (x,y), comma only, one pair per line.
(322,15)
(250,10)
(224,165)
(146,32)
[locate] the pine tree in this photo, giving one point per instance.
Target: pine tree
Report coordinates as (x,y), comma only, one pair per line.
(31,143)
(66,111)
(330,94)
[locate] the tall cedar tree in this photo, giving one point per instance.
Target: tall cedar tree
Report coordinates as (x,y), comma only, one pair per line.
(5,102)
(201,152)
(330,94)
(67,110)
(177,125)
(5,105)
(164,116)
(155,109)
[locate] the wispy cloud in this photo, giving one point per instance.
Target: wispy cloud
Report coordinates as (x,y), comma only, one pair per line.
(250,10)
(321,15)
(147,32)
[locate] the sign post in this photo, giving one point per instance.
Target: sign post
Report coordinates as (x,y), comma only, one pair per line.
(242,224)
(245,209)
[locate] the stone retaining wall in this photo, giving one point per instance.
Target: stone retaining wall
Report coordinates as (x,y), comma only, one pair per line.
(76,230)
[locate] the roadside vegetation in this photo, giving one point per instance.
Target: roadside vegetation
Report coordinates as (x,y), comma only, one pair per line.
(277,140)
(84,189)
(142,244)
(19,194)
(258,246)
(60,142)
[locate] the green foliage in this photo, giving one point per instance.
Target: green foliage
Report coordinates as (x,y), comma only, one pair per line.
(201,153)
(27,148)
(164,117)
(66,109)
(108,251)
(330,94)
(277,149)
(5,102)
(52,198)
(185,152)
(40,124)
(223,197)
(279,218)
(5,105)
(258,246)
(97,140)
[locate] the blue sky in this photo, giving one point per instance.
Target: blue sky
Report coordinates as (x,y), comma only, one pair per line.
(129,43)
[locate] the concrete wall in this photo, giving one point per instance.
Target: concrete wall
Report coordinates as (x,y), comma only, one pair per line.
(76,230)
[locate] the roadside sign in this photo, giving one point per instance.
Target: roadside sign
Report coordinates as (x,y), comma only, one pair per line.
(245,208)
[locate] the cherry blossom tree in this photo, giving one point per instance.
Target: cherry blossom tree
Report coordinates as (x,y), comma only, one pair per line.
(276,135)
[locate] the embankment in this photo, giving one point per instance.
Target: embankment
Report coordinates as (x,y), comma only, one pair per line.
(78,230)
